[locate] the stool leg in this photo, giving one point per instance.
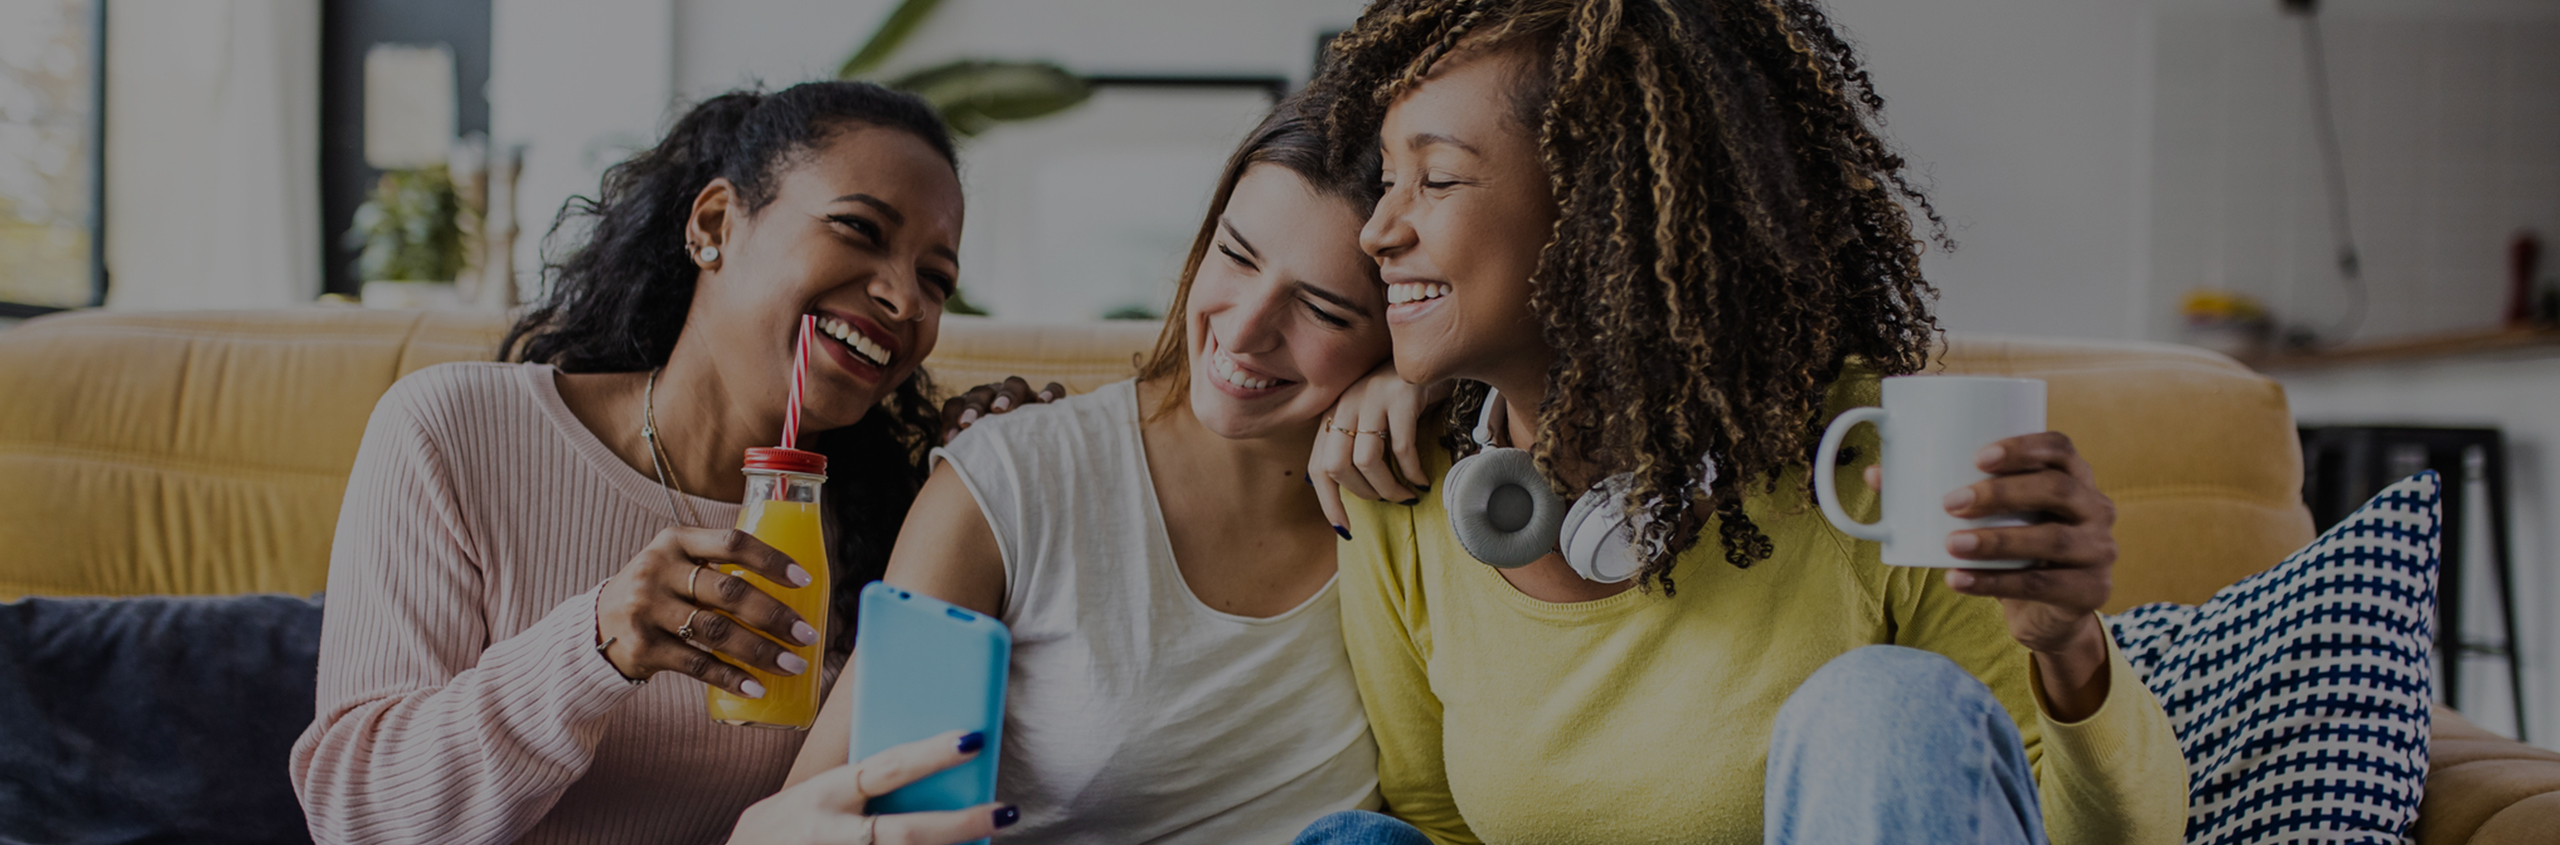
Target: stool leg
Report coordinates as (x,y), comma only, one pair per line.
(2493,450)
(2456,497)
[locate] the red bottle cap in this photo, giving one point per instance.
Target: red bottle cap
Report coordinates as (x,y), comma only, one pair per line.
(786,460)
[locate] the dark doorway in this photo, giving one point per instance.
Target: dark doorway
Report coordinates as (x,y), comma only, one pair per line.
(347,29)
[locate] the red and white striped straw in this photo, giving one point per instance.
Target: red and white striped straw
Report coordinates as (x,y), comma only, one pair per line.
(799,373)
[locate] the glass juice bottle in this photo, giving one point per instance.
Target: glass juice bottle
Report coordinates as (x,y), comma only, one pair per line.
(781,509)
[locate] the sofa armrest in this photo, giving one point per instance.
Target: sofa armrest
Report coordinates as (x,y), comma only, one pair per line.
(2484,789)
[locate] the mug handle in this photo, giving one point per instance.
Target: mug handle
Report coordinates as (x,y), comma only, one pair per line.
(1826,487)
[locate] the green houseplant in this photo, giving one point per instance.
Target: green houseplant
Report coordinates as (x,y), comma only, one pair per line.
(410,229)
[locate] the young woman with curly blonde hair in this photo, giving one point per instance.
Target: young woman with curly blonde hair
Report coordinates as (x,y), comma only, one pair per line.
(1665,240)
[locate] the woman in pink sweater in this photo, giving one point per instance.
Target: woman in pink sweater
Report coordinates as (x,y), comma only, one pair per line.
(509,652)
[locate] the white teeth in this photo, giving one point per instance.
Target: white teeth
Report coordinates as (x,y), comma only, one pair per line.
(862,346)
(1225,368)
(1403,292)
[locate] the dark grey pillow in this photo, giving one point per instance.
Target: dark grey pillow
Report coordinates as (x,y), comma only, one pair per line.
(146,720)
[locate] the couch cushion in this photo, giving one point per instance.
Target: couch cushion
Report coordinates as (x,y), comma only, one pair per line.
(2301,694)
(153,719)
(194,453)
(2484,789)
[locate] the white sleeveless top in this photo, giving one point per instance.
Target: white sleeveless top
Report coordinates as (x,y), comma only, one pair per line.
(1135,712)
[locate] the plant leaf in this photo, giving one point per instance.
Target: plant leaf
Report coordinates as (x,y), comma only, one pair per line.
(973,95)
(893,32)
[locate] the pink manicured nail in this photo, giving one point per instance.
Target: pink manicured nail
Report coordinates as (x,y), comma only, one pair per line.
(1960,579)
(1957,500)
(1989,456)
(799,577)
(1963,543)
(791,663)
(968,416)
(752,689)
(1001,403)
(805,634)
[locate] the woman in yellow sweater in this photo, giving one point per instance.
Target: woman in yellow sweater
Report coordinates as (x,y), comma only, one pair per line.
(1664,241)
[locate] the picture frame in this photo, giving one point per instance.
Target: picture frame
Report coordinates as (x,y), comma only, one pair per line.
(52,157)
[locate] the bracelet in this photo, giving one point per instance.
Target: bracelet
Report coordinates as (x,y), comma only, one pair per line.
(608,661)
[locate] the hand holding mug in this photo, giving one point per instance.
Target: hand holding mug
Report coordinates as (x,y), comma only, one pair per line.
(2051,607)
(2020,520)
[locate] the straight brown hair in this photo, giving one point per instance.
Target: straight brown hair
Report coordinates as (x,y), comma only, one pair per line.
(1292,136)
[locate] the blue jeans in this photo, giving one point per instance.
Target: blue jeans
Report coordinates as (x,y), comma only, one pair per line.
(1882,744)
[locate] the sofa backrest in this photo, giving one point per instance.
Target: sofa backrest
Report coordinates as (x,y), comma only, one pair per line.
(206,452)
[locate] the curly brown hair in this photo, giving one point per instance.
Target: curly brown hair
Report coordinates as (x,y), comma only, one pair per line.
(1730,233)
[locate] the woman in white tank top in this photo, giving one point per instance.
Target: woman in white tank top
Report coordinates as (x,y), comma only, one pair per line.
(1178,670)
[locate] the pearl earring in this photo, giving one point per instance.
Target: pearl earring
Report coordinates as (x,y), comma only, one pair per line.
(708,254)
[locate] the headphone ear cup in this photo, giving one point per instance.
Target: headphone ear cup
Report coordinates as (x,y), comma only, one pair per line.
(1596,537)
(1501,509)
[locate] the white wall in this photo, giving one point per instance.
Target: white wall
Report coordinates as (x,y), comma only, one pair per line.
(2447,128)
(2027,119)
(2028,116)
(582,84)
(213,153)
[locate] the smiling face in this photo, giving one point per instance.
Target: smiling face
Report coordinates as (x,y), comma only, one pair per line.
(1284,313)
(1466,212)
(863,231)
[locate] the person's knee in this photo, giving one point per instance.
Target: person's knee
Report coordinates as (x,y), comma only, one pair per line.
(1877,692)
(1360,827)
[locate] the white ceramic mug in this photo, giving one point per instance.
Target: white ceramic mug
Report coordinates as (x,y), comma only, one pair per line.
(1932,427)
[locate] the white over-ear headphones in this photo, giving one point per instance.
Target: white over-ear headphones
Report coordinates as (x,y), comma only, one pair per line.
(1505,515)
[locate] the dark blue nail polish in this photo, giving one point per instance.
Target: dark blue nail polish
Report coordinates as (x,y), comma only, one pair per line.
(1422,488)
(1007,815)
(972,741)
(1411,502)
(1345,532)
(1309,479)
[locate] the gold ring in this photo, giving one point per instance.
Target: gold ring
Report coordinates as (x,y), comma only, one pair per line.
(870,826)
(1341,430)
(690,594)
(1378,433)
(685,631)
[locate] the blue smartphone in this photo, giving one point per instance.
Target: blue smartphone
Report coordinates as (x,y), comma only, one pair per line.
(925,667)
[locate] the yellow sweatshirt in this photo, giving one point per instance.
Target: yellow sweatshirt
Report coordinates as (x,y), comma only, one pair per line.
(1646,718)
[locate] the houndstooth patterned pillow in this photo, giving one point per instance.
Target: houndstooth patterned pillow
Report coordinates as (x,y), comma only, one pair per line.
(2300,695)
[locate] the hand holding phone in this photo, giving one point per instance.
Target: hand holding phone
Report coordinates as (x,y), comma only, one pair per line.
(922,668)
(827,807)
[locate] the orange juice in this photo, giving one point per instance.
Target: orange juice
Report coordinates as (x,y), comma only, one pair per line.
(790,701)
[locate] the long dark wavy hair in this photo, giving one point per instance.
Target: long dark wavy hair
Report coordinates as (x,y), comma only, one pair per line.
(1731,232)
(618,298)
(1291,136)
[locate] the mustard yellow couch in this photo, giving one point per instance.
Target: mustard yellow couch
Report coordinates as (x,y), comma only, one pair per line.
(206,452)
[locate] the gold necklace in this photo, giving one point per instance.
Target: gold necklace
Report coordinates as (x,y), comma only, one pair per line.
(681,509)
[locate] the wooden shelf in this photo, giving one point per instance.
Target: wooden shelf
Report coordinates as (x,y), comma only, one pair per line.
(2535,340)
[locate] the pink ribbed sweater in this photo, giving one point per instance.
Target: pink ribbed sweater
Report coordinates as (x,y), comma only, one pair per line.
(461,699)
